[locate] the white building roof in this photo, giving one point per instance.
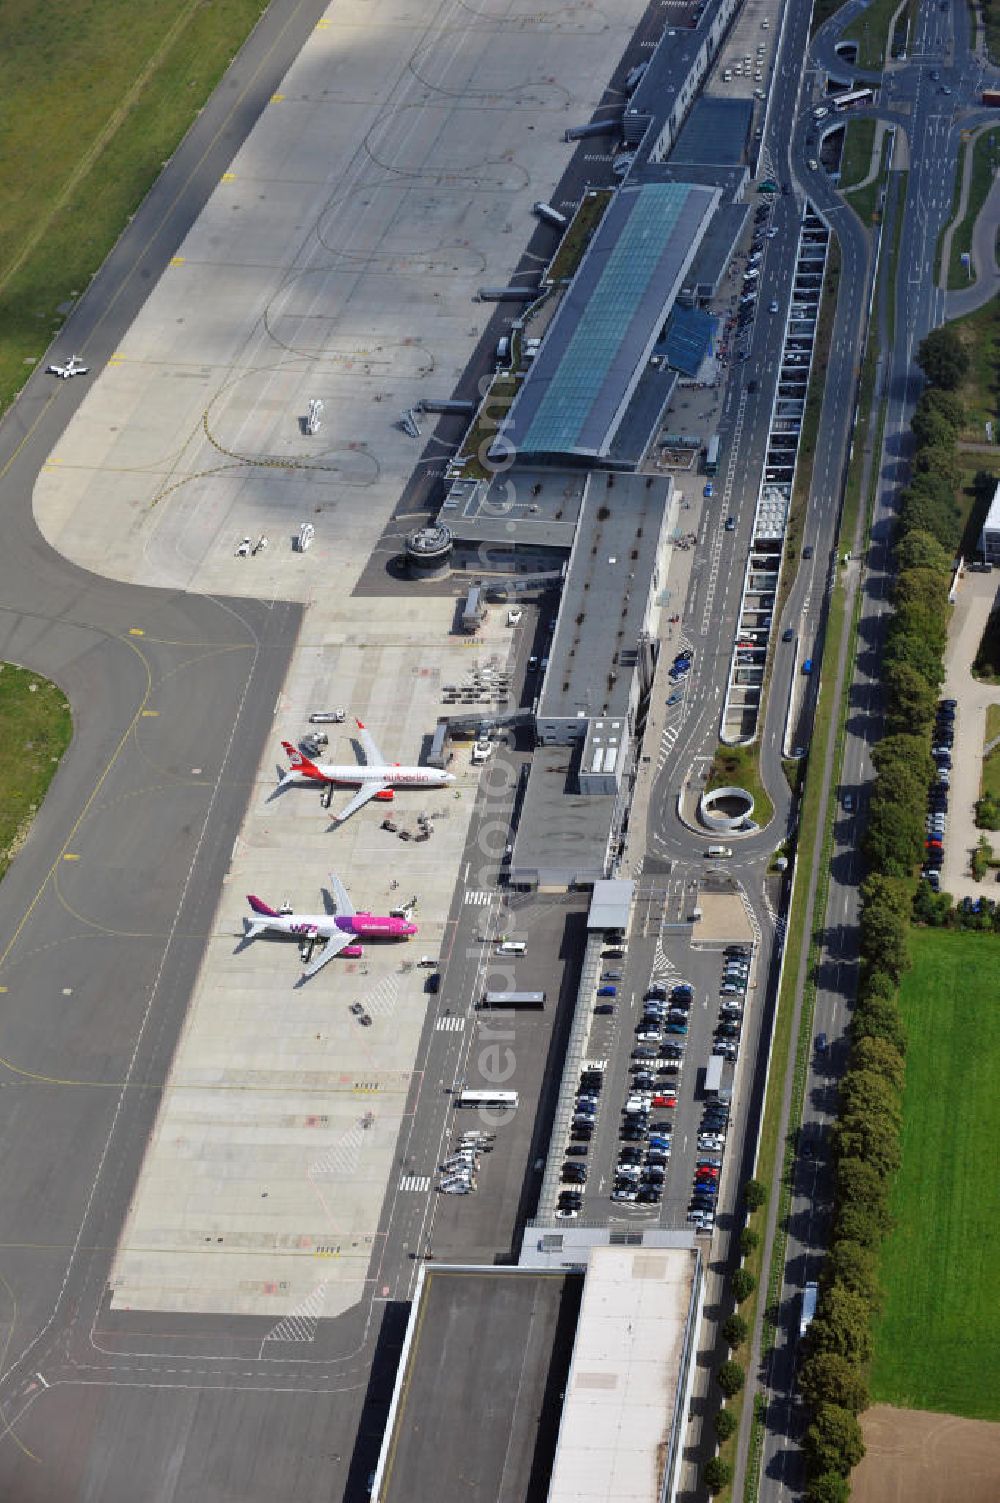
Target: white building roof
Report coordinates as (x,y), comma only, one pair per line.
(623,1384)
(611,905)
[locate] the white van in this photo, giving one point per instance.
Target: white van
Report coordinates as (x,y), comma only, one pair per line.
(511,947)
(718,850)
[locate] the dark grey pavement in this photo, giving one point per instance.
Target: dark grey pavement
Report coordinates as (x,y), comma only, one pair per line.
(933,121)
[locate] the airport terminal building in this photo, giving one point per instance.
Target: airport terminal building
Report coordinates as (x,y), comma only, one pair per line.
(567,1377)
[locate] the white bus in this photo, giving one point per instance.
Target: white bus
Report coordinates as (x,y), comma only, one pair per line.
(513,999)
(498,1101)
(511,947)
(852,97)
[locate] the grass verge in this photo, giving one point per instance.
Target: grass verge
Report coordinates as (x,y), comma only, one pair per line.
(737,765)
(871,32)
(97,95)
(808,834)
(941,1264)
(866,202)
(35,730)
(856,157)
(985,159)
(980,392)
(495,406)
(992,722)
(578,236)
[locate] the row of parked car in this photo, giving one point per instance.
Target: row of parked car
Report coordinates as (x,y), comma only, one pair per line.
(715,1117)
(574,1171)
(654,1070)
(943,740)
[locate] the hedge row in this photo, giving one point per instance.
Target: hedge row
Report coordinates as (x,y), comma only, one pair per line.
(866,1142)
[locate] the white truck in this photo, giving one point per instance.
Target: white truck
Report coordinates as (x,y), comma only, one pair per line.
(809,1297)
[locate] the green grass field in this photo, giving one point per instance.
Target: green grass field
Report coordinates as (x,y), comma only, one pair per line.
(985,158)
(856,157)
(96,96)
(35,730)
(938,1338)
(980,392)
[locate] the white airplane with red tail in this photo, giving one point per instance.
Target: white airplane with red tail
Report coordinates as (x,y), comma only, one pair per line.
(374,778)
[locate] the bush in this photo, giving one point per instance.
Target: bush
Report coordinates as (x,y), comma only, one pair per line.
(748,1240)
(828,1378)
(730,1377)
(736,1329)
(988,812)
(754,1194)
(828,1487)
(716,1474)
(743,1284)
(834,1442)
(726,1423)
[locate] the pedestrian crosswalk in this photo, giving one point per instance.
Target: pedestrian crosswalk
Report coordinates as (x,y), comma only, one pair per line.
(418,1182)
(477,897)
(449,1025)
(667,742)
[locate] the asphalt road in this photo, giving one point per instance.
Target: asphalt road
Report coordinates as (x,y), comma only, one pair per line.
(933,121)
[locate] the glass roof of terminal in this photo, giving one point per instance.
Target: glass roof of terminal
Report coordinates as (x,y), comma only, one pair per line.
(611,312)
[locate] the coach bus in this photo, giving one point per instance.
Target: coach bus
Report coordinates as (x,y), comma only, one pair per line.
(496,1101)
(514,999)
(852,98)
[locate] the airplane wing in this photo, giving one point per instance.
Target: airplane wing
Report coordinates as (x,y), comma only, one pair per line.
(333,947)
(345,907)
(364,794)
(371,752)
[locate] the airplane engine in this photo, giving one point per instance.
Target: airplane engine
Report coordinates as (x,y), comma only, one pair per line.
(385,796)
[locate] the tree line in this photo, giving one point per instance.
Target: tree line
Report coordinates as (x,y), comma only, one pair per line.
(866,1137)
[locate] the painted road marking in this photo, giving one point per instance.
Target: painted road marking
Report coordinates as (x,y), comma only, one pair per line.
(449,1025)
(418,1182)
(477,898)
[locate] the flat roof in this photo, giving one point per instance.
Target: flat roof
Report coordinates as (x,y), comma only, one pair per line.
(611,905)
(475,1411)
(715,133)
(642,417)
(608,321)
(602,613)
(716,249)
(627,1375)
(527,506)
(562,836)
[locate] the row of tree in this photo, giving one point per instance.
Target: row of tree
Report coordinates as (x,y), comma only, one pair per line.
(838,1347)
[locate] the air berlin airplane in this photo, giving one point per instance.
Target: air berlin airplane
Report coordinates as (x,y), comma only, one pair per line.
(341,928)
(373,778)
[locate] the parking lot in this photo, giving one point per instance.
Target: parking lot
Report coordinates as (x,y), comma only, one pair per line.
(644,1118)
